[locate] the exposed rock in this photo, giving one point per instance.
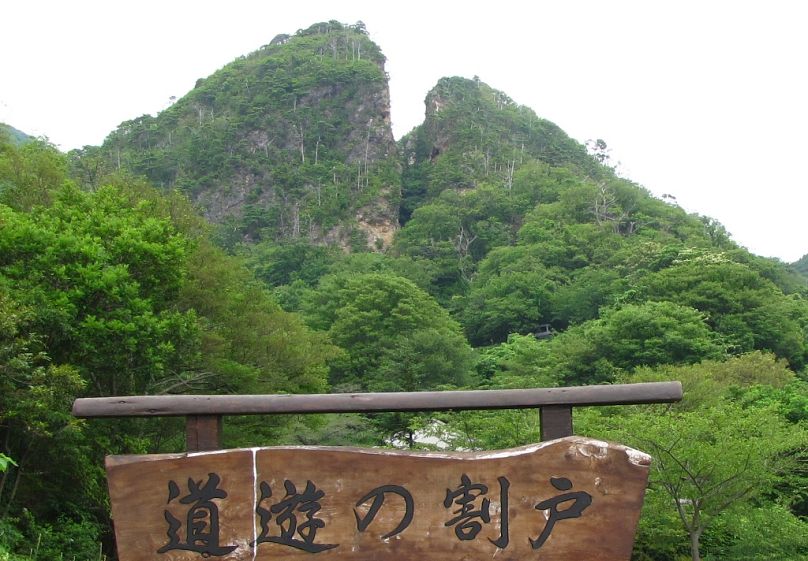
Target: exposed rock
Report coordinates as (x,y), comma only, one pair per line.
(293,140)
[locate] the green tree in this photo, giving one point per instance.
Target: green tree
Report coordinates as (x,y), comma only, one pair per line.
(801,265)
(395,336)
(249,344)
(35,399)
(283,263)
(634,335)
(581,299)
(435,236)
(656,333)
(761,534)
(750,311)
(516,363)
(710,460)
(730,452)
(29,172)
(511,294)
(708,382)
(101,276)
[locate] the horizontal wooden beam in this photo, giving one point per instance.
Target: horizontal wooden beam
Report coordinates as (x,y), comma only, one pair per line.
(177,405)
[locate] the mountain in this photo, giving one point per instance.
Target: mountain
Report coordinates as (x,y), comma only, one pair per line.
(499,215)
(510,224)
(17,136)
(483,173)
(474,133)
(801,265)
(292,141)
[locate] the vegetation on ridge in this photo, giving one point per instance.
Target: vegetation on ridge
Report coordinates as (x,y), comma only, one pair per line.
(289,142)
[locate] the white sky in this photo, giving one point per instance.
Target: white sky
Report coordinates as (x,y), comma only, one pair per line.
(704,100)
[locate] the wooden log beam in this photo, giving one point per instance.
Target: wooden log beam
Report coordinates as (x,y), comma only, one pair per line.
(179,405)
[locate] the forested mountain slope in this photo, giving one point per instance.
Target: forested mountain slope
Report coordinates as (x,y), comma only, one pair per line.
(474,133)
(519,226)
(292,141)
(16,136)
(115,290)
(801,265)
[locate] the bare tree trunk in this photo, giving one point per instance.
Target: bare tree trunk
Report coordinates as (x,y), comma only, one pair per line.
(299,130)
(7,507)
(3,480)
(16,486)
(509,177)
(695,530)
(296,220)
(7,450)
(462,242)
(13,494)
(694,545)
(367,150)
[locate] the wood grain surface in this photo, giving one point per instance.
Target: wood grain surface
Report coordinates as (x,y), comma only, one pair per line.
(331,504)
(180,405)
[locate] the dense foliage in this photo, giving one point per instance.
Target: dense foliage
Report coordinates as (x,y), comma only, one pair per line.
(291,141)
(115,292)
(521,259)
(801,265)
(14,135)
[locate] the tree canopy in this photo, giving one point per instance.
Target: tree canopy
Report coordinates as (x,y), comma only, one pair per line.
(396,337)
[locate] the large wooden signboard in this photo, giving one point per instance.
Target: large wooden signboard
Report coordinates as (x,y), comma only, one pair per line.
(572,499)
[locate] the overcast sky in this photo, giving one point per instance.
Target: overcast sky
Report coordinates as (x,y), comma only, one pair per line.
(706,101)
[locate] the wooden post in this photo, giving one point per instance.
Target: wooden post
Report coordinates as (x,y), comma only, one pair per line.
(203,433)
(556,421)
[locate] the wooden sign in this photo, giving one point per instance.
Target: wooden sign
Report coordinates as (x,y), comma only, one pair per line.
(572,499)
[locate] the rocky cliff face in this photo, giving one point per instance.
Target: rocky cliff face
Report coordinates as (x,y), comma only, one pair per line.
(291,141)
